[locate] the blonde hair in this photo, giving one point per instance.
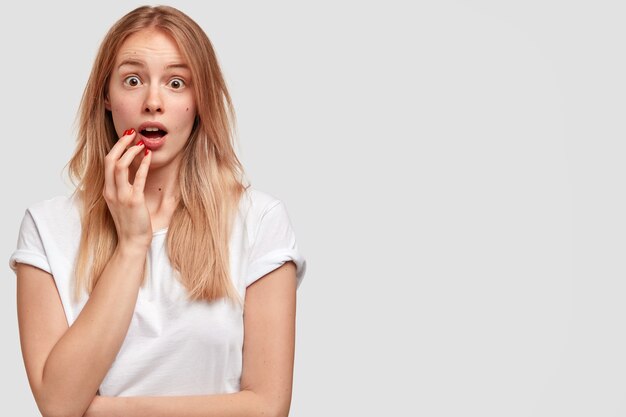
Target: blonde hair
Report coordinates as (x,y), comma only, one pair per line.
(210,174)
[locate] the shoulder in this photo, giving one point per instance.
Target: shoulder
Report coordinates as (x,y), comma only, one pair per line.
(255,203)
(60,206)
(55,213)
(263,214)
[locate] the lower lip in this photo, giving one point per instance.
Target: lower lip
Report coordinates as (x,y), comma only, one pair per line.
(153,144)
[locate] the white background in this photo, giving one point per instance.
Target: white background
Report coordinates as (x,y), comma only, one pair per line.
(452,169)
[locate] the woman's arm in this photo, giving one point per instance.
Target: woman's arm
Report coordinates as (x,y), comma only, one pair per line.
(65,366)
(268,358)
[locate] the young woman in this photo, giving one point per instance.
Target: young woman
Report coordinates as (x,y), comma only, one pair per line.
(141,293)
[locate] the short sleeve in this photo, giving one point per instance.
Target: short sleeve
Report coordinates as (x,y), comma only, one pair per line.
(30,248)
(273,245)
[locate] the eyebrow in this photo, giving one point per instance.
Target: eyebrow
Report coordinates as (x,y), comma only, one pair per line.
(137,63)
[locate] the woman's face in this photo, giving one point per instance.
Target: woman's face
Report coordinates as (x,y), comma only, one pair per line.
(150,90)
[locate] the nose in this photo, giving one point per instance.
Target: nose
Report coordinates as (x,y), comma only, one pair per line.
(153,102)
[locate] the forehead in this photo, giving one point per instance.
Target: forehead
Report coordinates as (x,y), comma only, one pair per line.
(150,44)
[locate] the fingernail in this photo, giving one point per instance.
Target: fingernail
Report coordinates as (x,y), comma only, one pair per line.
(147,150)
(129,131)
(140,143)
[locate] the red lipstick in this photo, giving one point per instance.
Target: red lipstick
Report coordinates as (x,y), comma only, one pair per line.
(153,134)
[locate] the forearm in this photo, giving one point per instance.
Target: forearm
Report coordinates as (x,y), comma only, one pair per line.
(81,359)
(239,404)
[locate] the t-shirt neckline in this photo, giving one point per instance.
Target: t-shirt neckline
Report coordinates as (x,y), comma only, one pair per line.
(160,231)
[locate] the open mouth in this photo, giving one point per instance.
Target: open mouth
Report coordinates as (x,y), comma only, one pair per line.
(153,133)
(153,136)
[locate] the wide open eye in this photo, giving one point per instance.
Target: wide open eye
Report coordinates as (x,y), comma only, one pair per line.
(132,81)
(177,83)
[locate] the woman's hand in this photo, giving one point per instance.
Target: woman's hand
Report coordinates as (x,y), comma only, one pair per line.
(126,201)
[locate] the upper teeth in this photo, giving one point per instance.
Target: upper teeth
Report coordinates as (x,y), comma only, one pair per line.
(151,129)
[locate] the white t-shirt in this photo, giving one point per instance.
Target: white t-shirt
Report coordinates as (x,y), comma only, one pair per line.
(173,346)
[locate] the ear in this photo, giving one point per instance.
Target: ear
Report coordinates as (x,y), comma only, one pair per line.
(107,103)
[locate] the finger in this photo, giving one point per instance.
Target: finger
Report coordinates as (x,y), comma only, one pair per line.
(123,143)
(142,173)
(131,154)
(113,155)
(121,166)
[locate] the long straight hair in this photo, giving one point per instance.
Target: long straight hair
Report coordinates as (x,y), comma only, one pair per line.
(211,177)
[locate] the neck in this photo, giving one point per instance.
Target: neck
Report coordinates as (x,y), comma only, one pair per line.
(161,191)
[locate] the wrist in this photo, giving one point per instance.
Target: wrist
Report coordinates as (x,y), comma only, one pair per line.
(132,250)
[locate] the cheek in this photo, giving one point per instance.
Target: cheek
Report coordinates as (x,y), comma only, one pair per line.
(186,112)
(185,119)
(119,107)
(121,115)
(121,101)
(120,111)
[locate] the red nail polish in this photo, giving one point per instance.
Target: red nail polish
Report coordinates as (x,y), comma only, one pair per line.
(129,131)
(140,143)
(147,150)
